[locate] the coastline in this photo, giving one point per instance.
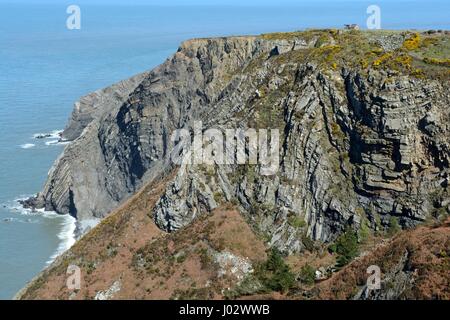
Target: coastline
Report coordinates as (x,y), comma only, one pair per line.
(30,154)
(30,283)
(66,236)
(68,227)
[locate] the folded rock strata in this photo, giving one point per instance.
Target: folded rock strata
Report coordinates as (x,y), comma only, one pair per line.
(356,146)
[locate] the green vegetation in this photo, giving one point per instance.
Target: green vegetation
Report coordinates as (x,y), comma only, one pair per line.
(307,275)
(281,35)
(205,259)
(336,131)
(394,227)
(111,250)
(346,246)
(269,110)
(181,258)
(90,267)
(420,55)
(440,214)
(322,40)
(328,54)
(218,197)
(192,293)
(307,35)
(296,222)
(274,274)
(308,243)
(378,223)
(439,62)
(364,230)
(412,43)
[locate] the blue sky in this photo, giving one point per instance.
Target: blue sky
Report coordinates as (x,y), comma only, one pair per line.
(187,2)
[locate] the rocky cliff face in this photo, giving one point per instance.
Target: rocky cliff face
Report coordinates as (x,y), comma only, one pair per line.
(75,180)
(363,121)
(364,138)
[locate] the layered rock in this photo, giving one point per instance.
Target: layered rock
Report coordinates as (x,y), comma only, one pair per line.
(357,146)
(75,181)
(354,150)
(97,104)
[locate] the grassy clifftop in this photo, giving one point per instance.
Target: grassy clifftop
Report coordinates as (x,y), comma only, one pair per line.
(420,54)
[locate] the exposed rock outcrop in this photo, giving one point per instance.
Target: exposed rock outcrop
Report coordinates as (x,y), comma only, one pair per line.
(360,141)
(97,104)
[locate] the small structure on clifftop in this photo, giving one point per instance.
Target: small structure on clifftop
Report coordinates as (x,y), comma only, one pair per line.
(353,26)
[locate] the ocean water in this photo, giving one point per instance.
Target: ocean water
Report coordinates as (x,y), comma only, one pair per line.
(44,68)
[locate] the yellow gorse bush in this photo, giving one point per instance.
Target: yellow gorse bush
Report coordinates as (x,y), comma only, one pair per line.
(412,43)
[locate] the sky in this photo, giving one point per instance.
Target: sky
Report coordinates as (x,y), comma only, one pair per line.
(186,2)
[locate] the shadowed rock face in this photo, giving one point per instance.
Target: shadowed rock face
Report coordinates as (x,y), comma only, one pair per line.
(78,171)
(358,145)
(121,134)
(95,105)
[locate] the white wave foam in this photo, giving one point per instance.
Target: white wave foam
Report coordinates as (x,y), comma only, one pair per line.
(56,143)
(40,135)
(51,138)
(55,134)
(51,142)
(17,207)
(27,145)
(66,236)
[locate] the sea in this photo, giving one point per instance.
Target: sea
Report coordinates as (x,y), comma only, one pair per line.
(45,68)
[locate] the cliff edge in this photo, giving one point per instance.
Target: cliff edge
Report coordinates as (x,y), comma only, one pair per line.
(364,130)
